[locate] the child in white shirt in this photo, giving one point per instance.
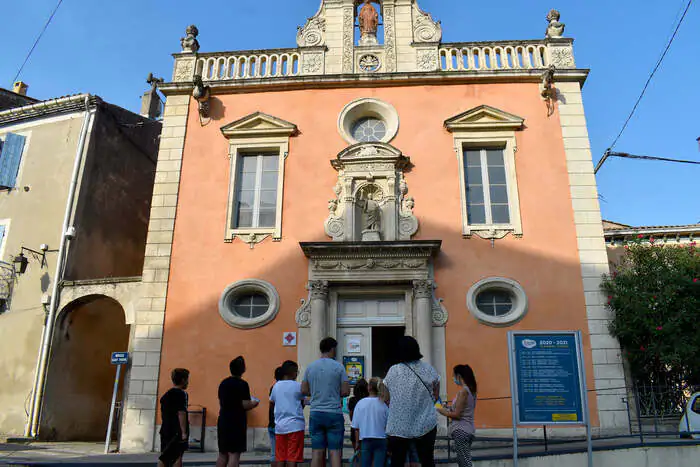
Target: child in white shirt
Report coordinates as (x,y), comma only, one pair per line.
(370,418)
(289,417)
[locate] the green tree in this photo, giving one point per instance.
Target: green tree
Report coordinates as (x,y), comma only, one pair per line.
(654,294)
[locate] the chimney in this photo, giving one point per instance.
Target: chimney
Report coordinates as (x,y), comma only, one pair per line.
(20,88)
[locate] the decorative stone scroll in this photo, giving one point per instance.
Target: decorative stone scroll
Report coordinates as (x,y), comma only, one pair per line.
(372,202)
(303,314)
(425,28)
(313,33)
(440,315)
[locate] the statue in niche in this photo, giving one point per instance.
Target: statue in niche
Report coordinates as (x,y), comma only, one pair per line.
(371,213)
(555,28)
(369,23)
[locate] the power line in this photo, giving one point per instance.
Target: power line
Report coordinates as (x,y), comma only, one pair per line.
(651,76)
(37,40)
(625,155)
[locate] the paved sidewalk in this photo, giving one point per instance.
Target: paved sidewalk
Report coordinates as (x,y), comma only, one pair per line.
(82,454)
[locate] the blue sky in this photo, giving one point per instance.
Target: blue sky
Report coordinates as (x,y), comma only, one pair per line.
(108,48)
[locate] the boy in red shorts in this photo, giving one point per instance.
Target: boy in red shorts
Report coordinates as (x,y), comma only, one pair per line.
(289,417)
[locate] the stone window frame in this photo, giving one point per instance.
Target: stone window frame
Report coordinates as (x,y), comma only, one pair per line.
(249,286)
(257,133)
(480,128)
(518,295)
(368,107)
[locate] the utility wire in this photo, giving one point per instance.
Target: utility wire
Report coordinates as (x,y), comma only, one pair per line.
(37,40)
(651,76)
(635,156)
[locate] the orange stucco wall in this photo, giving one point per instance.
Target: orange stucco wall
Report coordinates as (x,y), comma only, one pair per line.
(545,260)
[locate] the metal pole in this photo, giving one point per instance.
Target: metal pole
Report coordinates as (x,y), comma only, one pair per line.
(544,427)
(639,413)
(584,396)
(513,396)
(111,409)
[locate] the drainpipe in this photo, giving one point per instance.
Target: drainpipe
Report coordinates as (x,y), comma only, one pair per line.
(47,335)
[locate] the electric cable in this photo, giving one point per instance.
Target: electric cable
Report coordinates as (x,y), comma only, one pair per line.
(36,42)
(651,76)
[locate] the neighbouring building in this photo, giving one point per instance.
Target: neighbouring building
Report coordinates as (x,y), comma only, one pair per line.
(76,182)
(462,205)
(17,97)
(616,235)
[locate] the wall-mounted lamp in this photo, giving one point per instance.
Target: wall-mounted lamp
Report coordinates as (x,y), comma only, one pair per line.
(21,262)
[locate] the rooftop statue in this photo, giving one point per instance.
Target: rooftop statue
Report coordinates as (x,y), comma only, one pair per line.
(189,42)
(555,28)
(369,23)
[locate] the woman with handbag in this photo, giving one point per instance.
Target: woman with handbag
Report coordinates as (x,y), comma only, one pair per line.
(412,388)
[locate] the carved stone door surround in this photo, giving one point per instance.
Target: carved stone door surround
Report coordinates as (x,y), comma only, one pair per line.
(391,265)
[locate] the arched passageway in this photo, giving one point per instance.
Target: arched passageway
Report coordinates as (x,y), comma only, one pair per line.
(80,376)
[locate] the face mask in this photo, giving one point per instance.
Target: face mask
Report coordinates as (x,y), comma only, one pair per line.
(456,380)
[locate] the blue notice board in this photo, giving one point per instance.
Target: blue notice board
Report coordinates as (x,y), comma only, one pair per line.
(120,358)
(546,368)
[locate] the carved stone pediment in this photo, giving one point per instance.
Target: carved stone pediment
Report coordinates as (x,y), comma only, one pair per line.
(372,202)
(259,124)
(484,117)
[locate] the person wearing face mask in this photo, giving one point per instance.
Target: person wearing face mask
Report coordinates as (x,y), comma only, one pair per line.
(461,412)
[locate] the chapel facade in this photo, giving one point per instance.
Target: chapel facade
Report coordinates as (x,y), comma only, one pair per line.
(371,182)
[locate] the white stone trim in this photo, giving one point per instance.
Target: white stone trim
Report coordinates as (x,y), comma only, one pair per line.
(480,127)
(257,132)
(368,107)
(605,350)
(520,302)
(247,286)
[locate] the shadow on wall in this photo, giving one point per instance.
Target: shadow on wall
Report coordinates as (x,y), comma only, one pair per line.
(545,262)
(80,378)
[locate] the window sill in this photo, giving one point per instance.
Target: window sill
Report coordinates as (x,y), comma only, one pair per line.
(491,232)
(252,236)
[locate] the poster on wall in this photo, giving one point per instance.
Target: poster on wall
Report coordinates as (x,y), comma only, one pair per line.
(354,368)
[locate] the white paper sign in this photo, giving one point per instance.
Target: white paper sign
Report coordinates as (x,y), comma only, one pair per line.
(354,346)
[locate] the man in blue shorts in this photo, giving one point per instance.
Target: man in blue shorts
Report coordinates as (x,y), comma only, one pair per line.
(326,382)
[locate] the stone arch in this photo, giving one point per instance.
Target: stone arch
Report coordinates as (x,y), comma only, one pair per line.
(125,291)
(80,376)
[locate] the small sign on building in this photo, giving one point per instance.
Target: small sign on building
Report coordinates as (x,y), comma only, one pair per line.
(120,358)
(289,339)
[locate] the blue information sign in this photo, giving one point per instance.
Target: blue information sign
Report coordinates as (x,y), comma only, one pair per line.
(547,373)
(120,358)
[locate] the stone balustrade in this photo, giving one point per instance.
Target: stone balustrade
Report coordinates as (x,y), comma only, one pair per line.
(249,64)
(480,56)
(472,57)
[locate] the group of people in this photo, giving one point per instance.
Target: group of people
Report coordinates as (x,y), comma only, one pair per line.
(392,421)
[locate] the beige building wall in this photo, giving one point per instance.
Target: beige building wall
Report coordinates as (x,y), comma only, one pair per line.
(34,214)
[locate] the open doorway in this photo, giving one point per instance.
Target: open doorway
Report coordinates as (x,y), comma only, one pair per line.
(384,340)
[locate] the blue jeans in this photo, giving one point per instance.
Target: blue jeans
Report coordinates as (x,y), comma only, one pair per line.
(373,452)
(327,430)
(271,433)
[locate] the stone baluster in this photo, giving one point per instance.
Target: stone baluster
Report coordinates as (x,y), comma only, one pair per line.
(423,296)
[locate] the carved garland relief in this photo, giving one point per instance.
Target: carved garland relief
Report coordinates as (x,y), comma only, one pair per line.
(348,43)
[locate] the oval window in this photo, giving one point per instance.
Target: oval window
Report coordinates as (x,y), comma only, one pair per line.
(494,302)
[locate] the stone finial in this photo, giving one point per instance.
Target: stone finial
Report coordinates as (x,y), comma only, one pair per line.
(555,28)
(189,43)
